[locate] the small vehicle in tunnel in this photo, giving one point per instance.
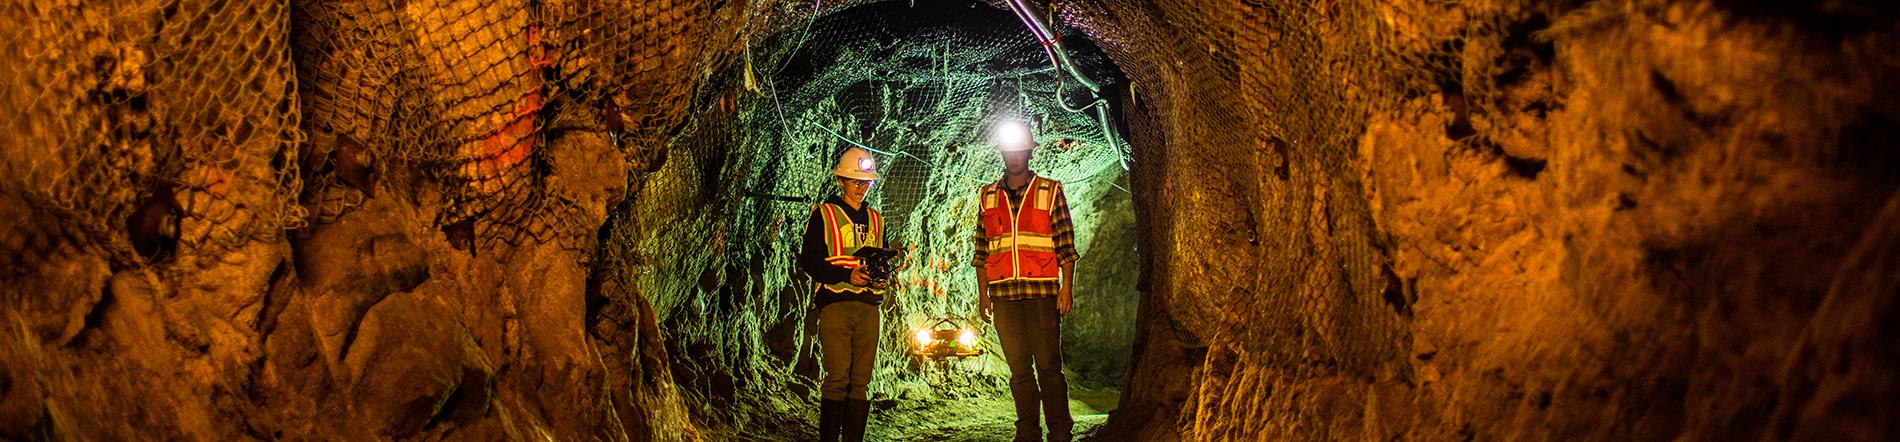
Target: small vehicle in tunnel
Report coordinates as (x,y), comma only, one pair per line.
(945,339)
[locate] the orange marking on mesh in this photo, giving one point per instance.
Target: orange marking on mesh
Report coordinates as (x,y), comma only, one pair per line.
(510,144)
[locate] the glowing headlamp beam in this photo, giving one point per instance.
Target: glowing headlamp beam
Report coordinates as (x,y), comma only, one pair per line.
(1012,134)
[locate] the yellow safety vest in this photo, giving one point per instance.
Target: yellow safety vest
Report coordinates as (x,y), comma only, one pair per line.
(842,240)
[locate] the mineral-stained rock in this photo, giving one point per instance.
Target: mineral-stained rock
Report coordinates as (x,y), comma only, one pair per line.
(1618,219)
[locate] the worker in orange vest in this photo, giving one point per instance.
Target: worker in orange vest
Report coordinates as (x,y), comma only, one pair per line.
(1025,259)
(845,295)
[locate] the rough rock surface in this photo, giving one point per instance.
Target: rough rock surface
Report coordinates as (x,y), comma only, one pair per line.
(1501,220)
(1600,221)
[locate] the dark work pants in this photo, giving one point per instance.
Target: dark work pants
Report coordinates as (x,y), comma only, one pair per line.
(847,340)
(1030,331)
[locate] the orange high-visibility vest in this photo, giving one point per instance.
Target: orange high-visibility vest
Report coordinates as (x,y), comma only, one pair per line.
(841,241)
(1021,237)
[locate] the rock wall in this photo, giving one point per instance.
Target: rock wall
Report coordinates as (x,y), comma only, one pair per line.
(349,220)
(1511,221)
(1502,220)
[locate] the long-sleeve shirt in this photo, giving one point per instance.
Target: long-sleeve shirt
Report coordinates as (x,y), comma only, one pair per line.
(812,254)
(1065,249)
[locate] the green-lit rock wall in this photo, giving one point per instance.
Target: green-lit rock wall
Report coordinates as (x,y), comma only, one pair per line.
(719,223)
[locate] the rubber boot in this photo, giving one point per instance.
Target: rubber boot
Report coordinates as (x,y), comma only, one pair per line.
(830,420)
(856,413)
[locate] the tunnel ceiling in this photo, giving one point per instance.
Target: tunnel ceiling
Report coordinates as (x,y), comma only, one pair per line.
(921,85)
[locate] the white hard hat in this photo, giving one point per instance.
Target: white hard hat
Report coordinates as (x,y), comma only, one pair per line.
(856,164)
(1013,136)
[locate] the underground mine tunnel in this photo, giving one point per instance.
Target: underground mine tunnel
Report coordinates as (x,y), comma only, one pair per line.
(581,220)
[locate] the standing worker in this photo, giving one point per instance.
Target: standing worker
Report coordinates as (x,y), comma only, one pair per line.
(1025,259)
(846,297)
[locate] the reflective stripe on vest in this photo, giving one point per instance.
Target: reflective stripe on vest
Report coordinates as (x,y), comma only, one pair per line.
(1024,241)
(1021,237)
(841,241)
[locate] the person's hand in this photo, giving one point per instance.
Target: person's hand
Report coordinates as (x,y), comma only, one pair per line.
(1064,301)
(859,278)
(983,308)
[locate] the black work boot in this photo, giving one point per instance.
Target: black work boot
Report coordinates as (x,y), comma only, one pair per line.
(856,413)
(1028,415)
(830,420)
(1028,433)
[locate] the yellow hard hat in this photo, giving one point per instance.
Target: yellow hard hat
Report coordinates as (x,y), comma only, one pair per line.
(856,164)
(1013,136)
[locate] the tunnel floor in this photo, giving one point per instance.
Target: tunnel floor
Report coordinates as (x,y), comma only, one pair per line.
(983,416)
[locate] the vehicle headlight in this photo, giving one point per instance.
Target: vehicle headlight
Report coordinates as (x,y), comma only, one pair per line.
(967,338)
(923,337)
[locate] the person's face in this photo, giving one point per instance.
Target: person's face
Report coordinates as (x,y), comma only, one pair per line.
(854,190)
(1016,163)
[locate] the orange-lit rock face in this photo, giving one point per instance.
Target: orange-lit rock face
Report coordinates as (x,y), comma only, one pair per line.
(1494,220)
(345,230)
(1613,221)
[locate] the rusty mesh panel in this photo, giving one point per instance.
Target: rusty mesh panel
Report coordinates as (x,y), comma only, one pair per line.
(1306,75)
(456,105)
(1321,71)
(1284,182)
(147,134)
(468,95)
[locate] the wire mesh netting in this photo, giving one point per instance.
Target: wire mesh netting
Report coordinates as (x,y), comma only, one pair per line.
(921,86)
(191,123)
(167,135)
(471,94)
(1280,181)
(149,134)
(198,110)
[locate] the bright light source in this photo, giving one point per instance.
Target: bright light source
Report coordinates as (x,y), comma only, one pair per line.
(1012,134)
(945,341)
(865,164)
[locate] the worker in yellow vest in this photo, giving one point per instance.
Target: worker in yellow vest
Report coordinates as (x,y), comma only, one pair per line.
(1025,259)
(845,295)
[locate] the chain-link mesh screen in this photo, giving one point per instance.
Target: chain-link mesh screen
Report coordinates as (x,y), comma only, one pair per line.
(193,116)
(176,133)
(168,134)
(147,132)
(1282,183)
(468,94)
(922,87)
